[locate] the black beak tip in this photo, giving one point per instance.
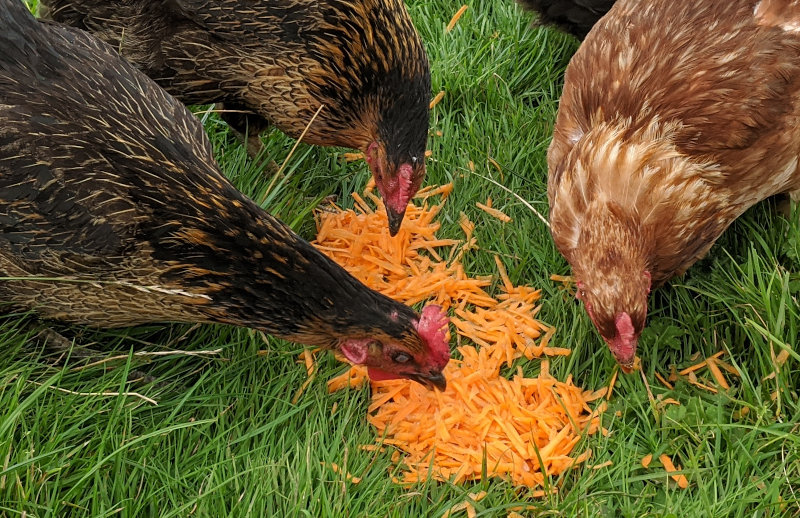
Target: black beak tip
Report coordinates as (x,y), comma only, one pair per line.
(434,381)
(395,219)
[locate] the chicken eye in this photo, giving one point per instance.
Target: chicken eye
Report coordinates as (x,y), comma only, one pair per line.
(401,357)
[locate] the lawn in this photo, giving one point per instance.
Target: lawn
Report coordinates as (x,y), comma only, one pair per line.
(224,438)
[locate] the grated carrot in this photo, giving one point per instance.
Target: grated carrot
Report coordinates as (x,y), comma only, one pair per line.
(436,99)
(495,213)
(524,429)
(612,383)
(336,469)
(717,374)
(495,164)
(646,460)
(683,483)
(782,357)
(455,18)
(700,365)
(727,367)
(694,381)
(663,381)
(308,359)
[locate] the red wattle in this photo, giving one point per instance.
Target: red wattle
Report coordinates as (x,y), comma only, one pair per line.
(381,375)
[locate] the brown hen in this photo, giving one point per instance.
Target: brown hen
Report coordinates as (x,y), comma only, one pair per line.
(675,117)
(113,212)
(271,61)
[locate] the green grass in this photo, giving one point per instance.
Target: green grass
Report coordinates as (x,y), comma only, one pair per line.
(225,439)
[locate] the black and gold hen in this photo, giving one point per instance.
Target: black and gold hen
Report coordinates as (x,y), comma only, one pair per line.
(279,60)
(577,17)
(113,212)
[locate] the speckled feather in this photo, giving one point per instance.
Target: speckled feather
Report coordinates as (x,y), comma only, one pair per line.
(110,196)
(362,59)
(675,118)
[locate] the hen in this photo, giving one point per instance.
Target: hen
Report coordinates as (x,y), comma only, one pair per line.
(113,212)
(675,117)
(271,61)
(576,17)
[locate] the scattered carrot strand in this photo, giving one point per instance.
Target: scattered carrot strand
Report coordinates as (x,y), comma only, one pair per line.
(727,367)
(663,381)
(683,483)
(495,164)
(503,274)
(455,18)
(700,365)
(309,361)
(495,213)
(782,357)
(524,429)
(717,374)
(336,469)
(612,383)
(694,381)
(646,460)
(436,99)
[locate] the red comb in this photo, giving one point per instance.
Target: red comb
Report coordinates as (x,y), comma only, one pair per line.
(432,328)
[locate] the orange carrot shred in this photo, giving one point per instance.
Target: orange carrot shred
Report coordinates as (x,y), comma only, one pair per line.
(683,483)
(455,18)
(503,274)
(646,460)
(713,368)
(782,357)
(309,361)
(509,422)
(700,365)
(495,213)
(693,380)
(663,381)
(612,383)
(336,469)
(436,99)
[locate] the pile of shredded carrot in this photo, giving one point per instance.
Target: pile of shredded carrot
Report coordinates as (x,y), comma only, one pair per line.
(519,428)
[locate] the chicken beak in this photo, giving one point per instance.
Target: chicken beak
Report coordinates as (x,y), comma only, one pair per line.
(431,380)
(627,369)
(395,219)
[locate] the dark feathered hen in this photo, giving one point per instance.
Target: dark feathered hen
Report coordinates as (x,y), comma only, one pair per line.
(577,17)
(280,60)
(113,212)
(676,117)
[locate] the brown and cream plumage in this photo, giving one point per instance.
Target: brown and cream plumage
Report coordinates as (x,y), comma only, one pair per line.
(113,212)
(675,118)
(279,61)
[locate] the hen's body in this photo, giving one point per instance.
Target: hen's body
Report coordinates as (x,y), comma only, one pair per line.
(278,62)
(675,118)
(113,212)
(577,17)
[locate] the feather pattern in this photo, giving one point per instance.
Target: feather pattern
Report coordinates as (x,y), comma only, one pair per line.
(113,212)
(277,61)
(676,117)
